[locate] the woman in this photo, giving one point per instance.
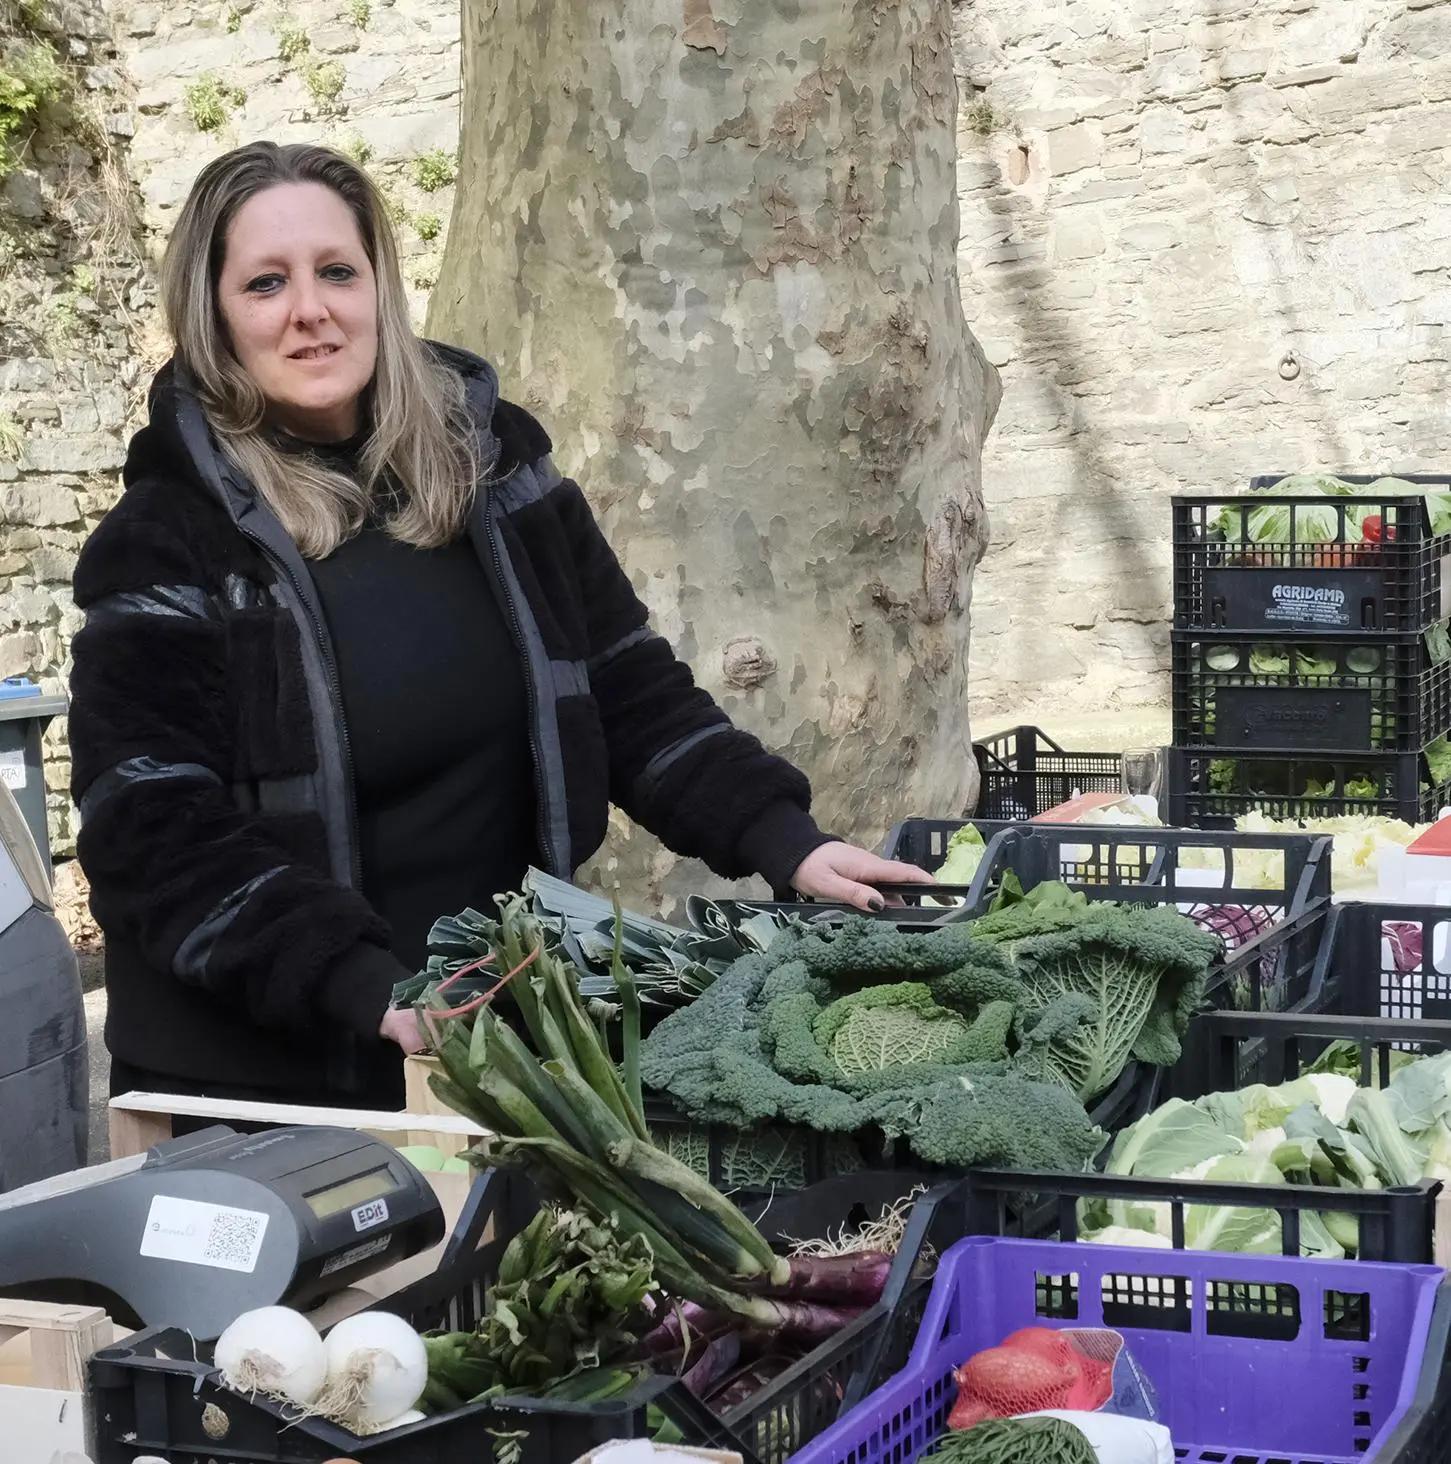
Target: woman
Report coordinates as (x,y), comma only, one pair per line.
(355,655)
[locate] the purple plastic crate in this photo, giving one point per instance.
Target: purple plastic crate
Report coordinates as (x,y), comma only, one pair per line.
(1255,1359)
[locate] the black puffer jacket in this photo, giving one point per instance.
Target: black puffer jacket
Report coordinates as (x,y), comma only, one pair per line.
(211,761)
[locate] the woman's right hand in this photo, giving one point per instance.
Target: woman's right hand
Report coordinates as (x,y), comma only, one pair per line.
(401,1025)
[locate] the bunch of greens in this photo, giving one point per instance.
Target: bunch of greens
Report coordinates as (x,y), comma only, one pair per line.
(570,1297)
(976,1042)
(670,965)
(555,1105)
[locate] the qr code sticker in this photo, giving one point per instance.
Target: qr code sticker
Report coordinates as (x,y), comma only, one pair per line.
(234,1240)
(199,1234)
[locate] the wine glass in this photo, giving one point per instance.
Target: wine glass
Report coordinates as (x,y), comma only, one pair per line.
(1142,771)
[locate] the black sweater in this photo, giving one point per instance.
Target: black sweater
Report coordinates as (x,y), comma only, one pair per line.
(212,761)
(437,714)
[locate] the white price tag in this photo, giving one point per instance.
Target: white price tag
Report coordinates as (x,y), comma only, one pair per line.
(362,1252)
(12,768)
(203,1235)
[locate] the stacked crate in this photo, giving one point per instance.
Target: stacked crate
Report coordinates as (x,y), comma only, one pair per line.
(1311,659)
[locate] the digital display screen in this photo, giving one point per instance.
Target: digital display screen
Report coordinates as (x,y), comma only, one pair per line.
(351,1193)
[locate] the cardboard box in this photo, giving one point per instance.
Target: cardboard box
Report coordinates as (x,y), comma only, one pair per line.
(43,1352)
(418,1097)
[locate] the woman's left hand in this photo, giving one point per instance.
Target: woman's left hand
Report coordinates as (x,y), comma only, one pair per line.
(846,874)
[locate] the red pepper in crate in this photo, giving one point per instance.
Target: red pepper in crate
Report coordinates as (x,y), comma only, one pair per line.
(1375,532)
(1035,1368)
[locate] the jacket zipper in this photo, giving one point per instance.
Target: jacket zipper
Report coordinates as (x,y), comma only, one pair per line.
(516,629)
(355,857)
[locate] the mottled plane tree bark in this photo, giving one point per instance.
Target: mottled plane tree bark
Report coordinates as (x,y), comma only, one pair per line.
(713,245)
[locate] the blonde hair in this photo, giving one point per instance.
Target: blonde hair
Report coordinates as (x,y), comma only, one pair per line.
(419,431)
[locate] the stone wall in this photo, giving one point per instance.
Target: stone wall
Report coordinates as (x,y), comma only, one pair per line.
(377,78)
(1158,204)
(172,85)
(72,284)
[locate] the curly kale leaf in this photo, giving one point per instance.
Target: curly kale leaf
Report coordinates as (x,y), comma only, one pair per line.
(1001,1121)
(1044,1035)
(987,978)
(866,951)
(788,1036)
(1141,971)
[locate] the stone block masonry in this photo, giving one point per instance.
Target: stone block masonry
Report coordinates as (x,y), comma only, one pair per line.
(173,85)
(1157,203)
(1168,200)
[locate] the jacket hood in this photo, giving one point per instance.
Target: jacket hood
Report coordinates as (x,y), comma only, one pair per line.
(177,440)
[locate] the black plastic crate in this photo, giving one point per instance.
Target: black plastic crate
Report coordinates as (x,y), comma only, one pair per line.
(1391,695)
(1370,961)
(1281,973)
(1273,937)
(1225,580)
(153,1393)
(1382,981)
(1271,947)
(1396,1224)
(1134,863)
(1025,773)
(1423,1436)
(1210,789)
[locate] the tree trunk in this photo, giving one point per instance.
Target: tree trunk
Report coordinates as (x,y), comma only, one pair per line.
(713,245)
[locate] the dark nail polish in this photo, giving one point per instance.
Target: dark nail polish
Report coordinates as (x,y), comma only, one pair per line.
(877,903)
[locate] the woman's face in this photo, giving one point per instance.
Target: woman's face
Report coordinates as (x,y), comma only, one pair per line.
(300,303)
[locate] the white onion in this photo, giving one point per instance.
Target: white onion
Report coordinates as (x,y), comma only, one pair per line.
(377,1366)
(412,1416)
(273,1350)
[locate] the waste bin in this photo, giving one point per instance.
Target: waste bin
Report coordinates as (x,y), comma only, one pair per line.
(25,712)
(44,1073)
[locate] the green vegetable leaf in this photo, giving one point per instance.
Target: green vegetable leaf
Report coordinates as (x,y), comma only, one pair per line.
(1142,970)
(1399,1156)
(1228,1227)
(1222,775)
(1438,761)
(1438,505)
(1015,915)
(965,852)
(1175,1137)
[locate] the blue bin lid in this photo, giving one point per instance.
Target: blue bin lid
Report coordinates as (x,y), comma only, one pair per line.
(17,686)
